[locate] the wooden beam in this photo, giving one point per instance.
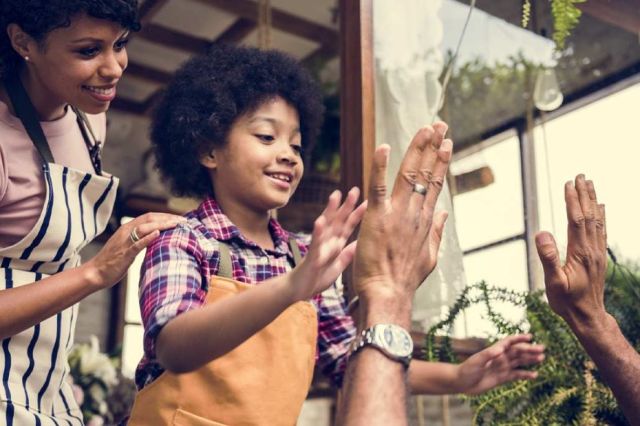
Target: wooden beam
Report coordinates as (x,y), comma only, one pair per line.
(237,31)
(320,55)
(147,73)
(148,9)
(279,19)
(357,108)
(624,14)
(472,180)
(174,39)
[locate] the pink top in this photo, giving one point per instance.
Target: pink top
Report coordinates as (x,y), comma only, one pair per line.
(22,188)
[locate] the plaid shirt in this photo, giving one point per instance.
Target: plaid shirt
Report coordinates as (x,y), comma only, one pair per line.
(176,272)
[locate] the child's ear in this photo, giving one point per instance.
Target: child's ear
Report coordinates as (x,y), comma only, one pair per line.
(209,160)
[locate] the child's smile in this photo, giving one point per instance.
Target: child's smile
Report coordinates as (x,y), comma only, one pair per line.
(260,165)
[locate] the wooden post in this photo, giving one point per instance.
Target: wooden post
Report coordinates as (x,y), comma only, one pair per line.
(357,108)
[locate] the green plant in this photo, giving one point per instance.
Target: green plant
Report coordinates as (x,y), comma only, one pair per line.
(566,16)
(569,389)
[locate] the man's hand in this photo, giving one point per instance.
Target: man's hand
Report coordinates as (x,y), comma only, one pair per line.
(400,236)
(576,289)
(499,364)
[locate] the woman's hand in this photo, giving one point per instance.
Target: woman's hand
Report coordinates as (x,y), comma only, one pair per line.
(112,261)
(327,256)
(499,364)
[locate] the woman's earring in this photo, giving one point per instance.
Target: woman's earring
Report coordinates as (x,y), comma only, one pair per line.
(26,58)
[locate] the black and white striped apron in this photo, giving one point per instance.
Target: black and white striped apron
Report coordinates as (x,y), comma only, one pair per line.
(35,388)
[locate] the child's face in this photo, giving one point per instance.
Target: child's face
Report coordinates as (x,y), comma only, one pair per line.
(260,165)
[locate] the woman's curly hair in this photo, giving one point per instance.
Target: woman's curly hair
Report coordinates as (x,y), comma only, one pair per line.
(39,17)
(206,96)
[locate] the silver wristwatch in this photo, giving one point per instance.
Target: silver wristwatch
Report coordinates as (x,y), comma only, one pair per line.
(390,339)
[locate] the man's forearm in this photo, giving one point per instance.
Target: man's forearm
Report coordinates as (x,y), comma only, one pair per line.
(375,387)
(617,361)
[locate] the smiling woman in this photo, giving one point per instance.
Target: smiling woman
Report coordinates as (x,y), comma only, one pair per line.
(59,59)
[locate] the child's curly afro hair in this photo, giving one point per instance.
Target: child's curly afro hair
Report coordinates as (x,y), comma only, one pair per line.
(206,96)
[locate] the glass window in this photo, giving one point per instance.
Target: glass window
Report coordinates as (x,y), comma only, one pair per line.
(500,266)
(602,140)
(495,212)
(132,349)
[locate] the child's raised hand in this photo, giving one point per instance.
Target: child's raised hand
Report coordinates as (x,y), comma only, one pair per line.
(327,256)
(499,364)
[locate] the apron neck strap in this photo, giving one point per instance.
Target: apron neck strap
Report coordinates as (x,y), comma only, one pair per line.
(295,250)
(225,267)
(27,114)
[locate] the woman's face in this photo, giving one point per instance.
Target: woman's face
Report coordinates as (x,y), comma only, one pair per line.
(78,65)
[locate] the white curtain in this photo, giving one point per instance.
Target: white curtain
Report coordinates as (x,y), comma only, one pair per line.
(408,63)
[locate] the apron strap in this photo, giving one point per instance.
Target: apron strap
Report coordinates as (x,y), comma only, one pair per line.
(93,144)
(225,268)
(295,250)
(27,114)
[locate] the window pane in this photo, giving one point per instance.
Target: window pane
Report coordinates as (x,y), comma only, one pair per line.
(502,266)
(601,140)
(494,212)
(132,349)
(132,310)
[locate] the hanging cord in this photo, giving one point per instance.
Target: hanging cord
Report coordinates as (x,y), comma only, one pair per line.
(452,63)
(264,24)
(543,126)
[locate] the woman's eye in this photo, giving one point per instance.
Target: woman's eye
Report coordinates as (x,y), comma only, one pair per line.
(121,44)
(265,138)
(298,149)
(89,52)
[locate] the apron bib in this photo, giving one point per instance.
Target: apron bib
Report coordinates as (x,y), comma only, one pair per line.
(263,381)
(33,363)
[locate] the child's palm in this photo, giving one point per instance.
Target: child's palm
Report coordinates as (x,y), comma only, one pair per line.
(328,253)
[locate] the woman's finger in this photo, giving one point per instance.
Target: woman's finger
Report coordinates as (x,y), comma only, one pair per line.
(138,232)
(143,242)
(156,217)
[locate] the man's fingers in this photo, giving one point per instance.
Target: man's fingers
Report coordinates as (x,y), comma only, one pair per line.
(587,205)
(576,229)
(439,173)
(378,178)
(429,158)
(602,229)
(550,258)
(409,168)
(435,234)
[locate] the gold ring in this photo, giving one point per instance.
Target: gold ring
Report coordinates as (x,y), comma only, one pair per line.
(133,236)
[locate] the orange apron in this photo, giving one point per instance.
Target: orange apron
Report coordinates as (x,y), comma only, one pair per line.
(263,381)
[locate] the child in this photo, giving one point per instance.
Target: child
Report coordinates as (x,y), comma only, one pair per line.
(229,337)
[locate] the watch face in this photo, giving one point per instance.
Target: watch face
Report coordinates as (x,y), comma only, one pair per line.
(397,341)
